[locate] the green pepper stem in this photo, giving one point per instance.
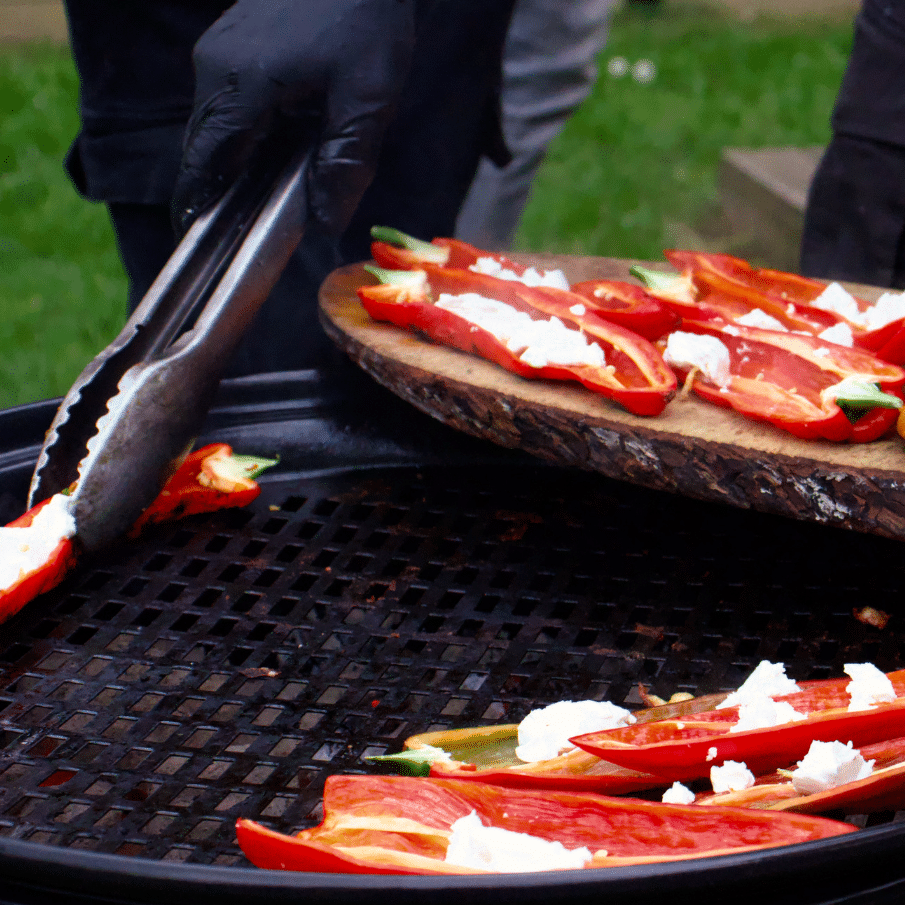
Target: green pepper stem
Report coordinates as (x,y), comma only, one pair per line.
(253,466)
(411,278)
(857,393)
(407,763)
(660,280)
(427,251)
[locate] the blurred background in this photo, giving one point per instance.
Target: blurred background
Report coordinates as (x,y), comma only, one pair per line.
(702,131)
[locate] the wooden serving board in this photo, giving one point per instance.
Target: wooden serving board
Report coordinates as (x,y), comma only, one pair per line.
(693,448)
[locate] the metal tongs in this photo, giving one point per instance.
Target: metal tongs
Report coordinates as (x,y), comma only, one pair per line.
(133,413)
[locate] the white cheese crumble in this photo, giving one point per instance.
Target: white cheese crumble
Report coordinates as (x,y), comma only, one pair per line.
(827,765)
(538,343)
(838,301)
(531,277)
(764,712)
(544,733)
(732,776)
(678,794)
(757,317)
(495,849)
(767,679)
(888,308)
(578,310)
(839,334)
(869,686)
(706,353)
(22,550)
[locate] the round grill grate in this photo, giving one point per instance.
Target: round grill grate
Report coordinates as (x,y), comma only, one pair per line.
(223,667)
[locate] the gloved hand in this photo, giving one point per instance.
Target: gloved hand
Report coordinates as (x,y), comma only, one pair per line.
(337,66)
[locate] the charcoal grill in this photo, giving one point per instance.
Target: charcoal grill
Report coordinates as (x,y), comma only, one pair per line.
(394,577)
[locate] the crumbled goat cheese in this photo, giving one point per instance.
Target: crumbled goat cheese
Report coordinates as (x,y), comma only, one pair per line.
(678,794)
(545,732)
(827,765)
(767,679)
(764,712)
(578,310)
(538,343)
(837,300)
(495,849)
(22,550)
(839,334)
(888,308)
(531,277)
(759,318)
(706,353)
(869,686)
(732,776)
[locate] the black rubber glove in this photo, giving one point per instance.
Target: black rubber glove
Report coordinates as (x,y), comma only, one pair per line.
(331,69)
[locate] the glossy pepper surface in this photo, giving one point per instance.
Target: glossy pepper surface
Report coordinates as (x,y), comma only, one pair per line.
(400,825)
(619,302)
(634,375)
(683,749)
(787,380)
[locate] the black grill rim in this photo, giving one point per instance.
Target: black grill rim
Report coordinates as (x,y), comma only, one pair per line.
(858,869)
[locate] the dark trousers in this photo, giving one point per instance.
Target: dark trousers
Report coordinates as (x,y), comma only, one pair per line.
(855,218)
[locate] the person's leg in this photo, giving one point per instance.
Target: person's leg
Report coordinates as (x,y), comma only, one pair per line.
(854,225)
(549,69)
(855,215)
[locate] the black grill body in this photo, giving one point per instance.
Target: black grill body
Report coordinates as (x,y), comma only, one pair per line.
(394,577)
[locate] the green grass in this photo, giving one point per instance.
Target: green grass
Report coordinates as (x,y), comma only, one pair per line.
(62,290)
(639,158)
(636,160)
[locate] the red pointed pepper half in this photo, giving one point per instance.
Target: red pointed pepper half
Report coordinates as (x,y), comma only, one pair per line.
(683,749)
(401,825)
(621,303)
(797,382)
(634,375)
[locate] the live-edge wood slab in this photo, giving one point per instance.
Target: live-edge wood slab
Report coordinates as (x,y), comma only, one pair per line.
(693,448)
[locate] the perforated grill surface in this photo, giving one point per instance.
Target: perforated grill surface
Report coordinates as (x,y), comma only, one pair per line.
(225,666)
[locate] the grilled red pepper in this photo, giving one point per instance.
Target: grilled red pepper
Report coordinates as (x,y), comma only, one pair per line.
(635,374)
(487,754)
(720,284)
(685,749)
(398,825)
(618,302)
(809,387)
(210,478)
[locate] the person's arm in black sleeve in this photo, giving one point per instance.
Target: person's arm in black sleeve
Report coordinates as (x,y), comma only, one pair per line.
(335,65)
